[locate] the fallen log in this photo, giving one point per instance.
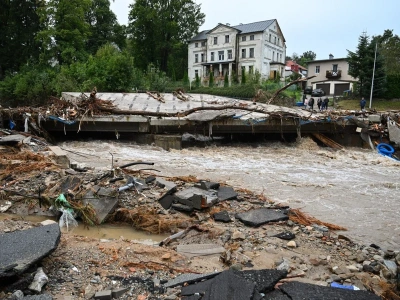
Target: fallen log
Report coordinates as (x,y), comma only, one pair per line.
(157,96)
(286,86)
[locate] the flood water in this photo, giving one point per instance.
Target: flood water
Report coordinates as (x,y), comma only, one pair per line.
(104,231)
(354,188)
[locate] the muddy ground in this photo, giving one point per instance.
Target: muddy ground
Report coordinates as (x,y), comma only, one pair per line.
(82,266)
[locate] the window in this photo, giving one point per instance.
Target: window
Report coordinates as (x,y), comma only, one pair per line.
(273,55)
(281,58)
(229,54)
(316,69)
(196,58)
(251,54)
(334,68)
(243,53)
(278,42)
(243,38)
(202,57)
(212,56)
(243,70)
(215,40)
(252,37)
(196,45)
(275,41)
(250,69)
(203,43)
(221,55)
(227,39)
(196,73)
(269,37)
(277,56)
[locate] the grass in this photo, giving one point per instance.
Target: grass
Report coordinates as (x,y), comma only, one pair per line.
(378,104)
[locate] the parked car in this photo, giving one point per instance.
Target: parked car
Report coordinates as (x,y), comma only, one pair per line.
(308,90)
(318,93)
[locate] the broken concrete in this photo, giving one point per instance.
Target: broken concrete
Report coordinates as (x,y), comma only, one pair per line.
(71,183)
(60,157)
(104,202)
(21,249)
(166,201)
(265,280)
(226,193)
(182,207)
(394,133)
(11,139)
(261,216)
(200,249)
(299,291)
(207,185)
(196,197)
(222,216)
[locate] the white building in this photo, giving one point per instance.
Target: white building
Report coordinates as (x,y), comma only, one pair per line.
(226,49)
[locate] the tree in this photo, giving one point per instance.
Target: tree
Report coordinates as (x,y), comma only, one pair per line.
(66,33)
(389,45)
(19,25)
(103,26)
(158,28)
(306,57)
(361,66)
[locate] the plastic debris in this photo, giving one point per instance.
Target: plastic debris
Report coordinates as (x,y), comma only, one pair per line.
(67,218)
(39,281)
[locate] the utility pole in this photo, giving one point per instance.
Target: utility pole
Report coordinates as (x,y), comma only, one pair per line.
(373,77)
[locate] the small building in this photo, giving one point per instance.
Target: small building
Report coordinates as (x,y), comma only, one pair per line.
(226,49)
(331,75)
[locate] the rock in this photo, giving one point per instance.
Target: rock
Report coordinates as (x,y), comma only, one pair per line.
(116,293)
(89,291)
(197,198)
(237,235)
(166,201)
(59,156)
(166,256)
(21,249)
(378,258)
(320,228)
(352,268)
(104,202)
(261,216)
(169,186)
(398,258)
(284,266)
(17,295)
(39,281)
(360,257)
(291,244)
(285,235)
(226,193)
(181,207)
(222,216)
(391,265)
(236,267)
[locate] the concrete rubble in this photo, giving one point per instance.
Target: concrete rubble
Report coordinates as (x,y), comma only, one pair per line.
(222,243)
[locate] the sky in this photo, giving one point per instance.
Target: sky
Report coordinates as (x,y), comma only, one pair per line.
(322,26)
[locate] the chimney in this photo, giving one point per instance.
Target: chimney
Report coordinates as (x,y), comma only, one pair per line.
(330,56)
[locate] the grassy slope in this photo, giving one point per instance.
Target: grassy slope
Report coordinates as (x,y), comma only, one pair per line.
(376,104)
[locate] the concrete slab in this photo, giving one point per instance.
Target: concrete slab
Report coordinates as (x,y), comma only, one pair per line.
(374,118)
(226,193)
(225,286)
(299,291)
(116,293)
(103,295)
(11,139)
(207,185)
(200,249)
(60,157)
(104,202)
(189,278)
(166,201)
(394,133)
(21,249)
(70,183)
(261,216)
(168,186)
(196,197)
(222,216)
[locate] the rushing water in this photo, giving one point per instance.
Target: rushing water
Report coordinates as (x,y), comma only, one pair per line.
(354,188)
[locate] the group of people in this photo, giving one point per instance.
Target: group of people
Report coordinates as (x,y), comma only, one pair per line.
(321,103)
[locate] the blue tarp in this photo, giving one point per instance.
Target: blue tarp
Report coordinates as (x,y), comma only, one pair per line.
(68,122)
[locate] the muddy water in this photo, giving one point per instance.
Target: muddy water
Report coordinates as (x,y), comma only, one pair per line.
(104,231)
(354,188)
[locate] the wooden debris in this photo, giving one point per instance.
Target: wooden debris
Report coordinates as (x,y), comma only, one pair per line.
(179,93)
(327,141)
(296,215)
(156,96)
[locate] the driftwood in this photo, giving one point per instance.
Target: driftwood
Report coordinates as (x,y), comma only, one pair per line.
(286,86)
(180,95)
(156,96)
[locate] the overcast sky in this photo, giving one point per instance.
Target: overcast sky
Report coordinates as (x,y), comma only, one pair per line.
(322,26)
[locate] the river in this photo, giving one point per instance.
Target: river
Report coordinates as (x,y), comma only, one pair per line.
(354,188)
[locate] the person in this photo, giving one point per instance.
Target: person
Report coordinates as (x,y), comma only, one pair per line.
(304,98)
(311,103)
(326,101)
(319,103)
(306,102)
(362,103)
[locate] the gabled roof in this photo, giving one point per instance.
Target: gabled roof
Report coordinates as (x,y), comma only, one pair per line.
(289,63)
(243,28)
(223,25)
(254,27)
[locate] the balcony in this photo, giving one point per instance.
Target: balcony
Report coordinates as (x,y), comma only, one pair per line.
(333,74)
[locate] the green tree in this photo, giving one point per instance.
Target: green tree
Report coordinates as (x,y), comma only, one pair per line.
(389,45)
(226,80)
(66,32)
(19,25)
(103,26)
(306,57)
(110,70)
(211,82)
(361,66)
(158,27)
